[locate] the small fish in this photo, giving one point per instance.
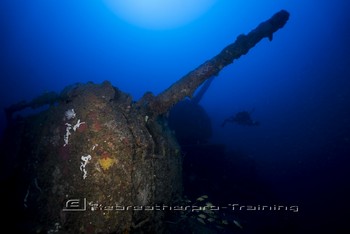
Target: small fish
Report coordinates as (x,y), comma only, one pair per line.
(211,220)
(202,198)
(209,204)
(209,212)
(237,224)
(201,220)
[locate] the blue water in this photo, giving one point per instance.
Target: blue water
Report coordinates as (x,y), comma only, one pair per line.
(298,84)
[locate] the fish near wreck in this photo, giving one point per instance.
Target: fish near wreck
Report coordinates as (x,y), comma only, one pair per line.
(96,161)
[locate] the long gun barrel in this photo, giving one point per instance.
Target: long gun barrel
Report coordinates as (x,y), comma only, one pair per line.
(186,86)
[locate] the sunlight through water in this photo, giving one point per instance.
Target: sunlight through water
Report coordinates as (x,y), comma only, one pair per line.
(159,14)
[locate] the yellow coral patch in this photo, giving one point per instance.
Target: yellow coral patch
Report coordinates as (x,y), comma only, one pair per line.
(106,162)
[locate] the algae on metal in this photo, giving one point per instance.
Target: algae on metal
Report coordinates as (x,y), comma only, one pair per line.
(105,169)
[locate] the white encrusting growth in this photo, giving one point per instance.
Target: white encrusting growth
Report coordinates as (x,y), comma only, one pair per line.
(85,160)
(70,114)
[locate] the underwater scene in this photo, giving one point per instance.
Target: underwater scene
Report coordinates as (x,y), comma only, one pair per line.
(175,116)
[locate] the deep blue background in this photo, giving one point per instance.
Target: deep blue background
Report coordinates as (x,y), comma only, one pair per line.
(298,83)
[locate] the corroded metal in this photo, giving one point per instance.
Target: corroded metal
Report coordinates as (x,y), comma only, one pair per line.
(97,162)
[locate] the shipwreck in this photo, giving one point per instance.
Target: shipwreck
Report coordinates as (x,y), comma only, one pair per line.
(97,161)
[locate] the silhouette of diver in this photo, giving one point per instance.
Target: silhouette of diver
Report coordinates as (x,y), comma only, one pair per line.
(241,118)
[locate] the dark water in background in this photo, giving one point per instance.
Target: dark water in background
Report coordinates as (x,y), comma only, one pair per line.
(298,84)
